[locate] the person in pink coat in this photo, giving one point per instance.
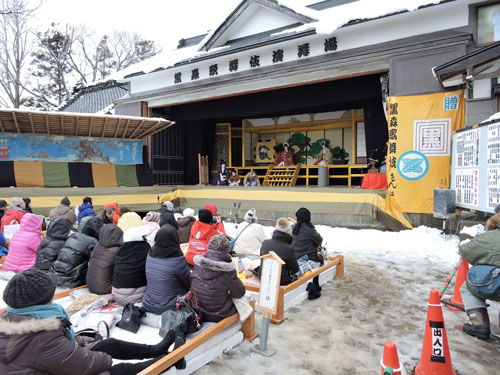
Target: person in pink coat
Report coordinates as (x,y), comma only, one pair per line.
(24,244)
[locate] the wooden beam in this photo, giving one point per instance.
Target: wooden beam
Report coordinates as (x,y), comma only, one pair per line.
(62,124)
(104,127)
(164,363)
(149,130)
(15,121)
(90,125)
(31,122)
(47,123)
(137,129)
(117,127)
(1,126)
(126,129)
(76,127)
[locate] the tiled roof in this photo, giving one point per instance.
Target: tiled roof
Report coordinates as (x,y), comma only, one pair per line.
(95,98)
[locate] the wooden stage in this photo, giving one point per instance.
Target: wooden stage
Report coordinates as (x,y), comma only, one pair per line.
(331,205)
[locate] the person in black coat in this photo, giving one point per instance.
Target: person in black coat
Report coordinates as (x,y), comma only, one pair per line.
(167,272)
(129,272)
(101,262)
(57,234)
(281,244)
(215,281)
(167,215)
(72,261)
(305,238)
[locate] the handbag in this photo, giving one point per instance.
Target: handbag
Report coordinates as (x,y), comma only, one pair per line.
(131,318)
(91,335)
(484,280)
(189,304)
(319,254)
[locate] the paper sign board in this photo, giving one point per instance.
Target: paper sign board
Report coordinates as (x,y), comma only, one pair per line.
(270,282)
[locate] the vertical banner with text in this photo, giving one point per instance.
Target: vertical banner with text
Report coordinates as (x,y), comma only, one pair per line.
(420,130)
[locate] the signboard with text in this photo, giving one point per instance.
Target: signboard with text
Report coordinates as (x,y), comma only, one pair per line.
(269,282)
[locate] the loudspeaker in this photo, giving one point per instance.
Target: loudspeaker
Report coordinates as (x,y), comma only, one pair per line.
(444,203)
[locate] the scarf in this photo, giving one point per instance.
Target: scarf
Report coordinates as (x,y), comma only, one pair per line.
(52,310)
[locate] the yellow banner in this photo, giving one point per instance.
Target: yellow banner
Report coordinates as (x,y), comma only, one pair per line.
(420,130)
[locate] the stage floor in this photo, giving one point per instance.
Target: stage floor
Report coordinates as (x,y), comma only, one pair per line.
(331,205)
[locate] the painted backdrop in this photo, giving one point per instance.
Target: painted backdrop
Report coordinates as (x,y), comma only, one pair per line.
(419,148)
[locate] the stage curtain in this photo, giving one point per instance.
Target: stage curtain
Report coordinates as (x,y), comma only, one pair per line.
(28,173)
(104,175)
(55,174)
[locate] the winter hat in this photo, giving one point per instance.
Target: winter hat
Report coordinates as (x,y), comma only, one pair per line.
(303,215)
(493,222)
(29,288)
(186,213)
(212,209)
(87,200)
(16,201)
(3,203)
(205,216)
(153,217)
(65,201)
(219,243)
(133,234)
(283,225)
(168,205)
(251,216)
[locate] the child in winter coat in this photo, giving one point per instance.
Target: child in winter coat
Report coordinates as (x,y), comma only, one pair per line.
(201,232)
(24,244)
(129,271)
(215,281)
(56,236)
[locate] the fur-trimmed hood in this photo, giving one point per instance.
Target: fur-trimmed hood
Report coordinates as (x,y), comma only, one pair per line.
(17,331)
(215,261)
(493,222)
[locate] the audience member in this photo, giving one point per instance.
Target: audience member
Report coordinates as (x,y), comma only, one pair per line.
(3,245)
(14,214)
(281,244)
(3,208)
(128,219)
(57,233)
(166,214)
(63,210)
(71,264)
(167,272)
(150,226)
(129,272)
(217,218)
(185,224)
(250,235)
(215,281)
(305,237)
(107,216)
(24,244)
(27,205)
(102,259)
(37,336)
(201,232)
(117,211)
(85,209)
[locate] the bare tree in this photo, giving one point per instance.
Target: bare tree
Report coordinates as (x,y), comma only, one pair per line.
(15,48)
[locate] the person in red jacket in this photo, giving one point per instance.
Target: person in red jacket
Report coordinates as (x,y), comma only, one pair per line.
(201,232)
(217,217)
(14,214)
(117,212)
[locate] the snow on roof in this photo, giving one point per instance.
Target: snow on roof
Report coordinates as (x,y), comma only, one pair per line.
(329,20)
(493,117)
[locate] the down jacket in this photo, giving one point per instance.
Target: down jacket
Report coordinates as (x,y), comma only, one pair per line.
(30,346)
(215,282)
(72,261)
(281,244)
(185,225)
(250,240)
(24,244)
(85,210)
(167,272)
(306,242)
(167,216)
(101,263)
(11,216)
(63,211)
(57,234)
(201,233)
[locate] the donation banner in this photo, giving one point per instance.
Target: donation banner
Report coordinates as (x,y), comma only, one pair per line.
(420,131)
(24,147)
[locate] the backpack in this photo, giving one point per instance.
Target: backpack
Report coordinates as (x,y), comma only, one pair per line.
(484,280)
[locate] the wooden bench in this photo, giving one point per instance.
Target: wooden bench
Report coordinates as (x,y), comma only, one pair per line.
(292,294)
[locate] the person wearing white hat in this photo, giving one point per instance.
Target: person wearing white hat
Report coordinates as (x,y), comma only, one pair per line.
(250,235)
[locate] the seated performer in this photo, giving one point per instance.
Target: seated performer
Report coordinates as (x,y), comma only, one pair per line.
(251,179)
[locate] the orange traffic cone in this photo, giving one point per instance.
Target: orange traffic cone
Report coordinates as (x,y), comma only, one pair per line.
(455,302)
(435,353)
(391,358)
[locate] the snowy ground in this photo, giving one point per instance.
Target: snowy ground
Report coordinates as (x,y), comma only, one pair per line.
(383,298)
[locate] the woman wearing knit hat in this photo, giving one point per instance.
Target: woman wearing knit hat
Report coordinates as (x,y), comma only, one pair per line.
(281,244)
(201,232)
(185,224)
(250,235)
(36,336)
(150,226)
(215,281)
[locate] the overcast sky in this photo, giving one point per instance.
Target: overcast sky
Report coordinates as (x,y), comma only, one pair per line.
(164,21)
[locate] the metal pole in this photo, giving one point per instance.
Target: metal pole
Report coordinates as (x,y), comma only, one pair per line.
(264,332)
